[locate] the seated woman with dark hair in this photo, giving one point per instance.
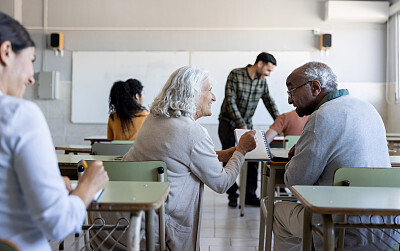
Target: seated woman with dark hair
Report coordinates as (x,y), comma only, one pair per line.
(127,113)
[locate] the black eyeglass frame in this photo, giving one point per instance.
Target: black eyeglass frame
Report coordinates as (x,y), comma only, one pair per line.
(290,92)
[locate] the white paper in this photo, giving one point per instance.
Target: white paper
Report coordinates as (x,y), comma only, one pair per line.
(261,152)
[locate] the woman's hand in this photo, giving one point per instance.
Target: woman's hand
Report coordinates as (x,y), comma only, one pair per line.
(67,183)
(225,155)
(93,179)
(247,142)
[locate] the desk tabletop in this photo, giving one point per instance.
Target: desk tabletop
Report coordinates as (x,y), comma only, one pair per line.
(75,148)
(397,138)
(74,159)
(101,138)
(349,200)
(131,195)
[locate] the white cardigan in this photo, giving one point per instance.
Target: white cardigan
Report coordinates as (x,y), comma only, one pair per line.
(191,161)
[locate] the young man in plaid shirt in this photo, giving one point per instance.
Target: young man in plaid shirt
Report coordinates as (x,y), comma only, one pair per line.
(243,90)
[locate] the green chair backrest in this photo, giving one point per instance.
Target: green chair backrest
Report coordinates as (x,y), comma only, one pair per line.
(290,141)
(6,245)
(133,170)
(122,142)
(107,148)
(367,177)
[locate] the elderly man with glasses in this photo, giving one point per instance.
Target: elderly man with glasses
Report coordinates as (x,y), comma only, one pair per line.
(341,131)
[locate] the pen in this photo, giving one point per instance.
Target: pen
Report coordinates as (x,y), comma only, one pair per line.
(84,164)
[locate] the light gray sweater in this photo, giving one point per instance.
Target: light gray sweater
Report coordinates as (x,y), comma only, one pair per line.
(343,132)
(191,161)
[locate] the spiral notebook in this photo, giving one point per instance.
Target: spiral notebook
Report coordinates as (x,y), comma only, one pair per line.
(262,150)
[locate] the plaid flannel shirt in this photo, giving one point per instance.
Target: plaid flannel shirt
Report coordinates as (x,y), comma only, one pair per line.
(242,95)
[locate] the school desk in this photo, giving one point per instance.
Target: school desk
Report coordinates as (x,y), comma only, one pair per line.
(272,173)
(339,200)
(75,149)
(94,139)
(68,164)
(133,197)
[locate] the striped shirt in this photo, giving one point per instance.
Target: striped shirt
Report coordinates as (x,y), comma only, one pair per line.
(242,95)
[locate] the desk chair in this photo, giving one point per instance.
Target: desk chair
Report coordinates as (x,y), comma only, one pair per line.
(364,177)
(290,141)
(7,245)
(140,171)
(108,148)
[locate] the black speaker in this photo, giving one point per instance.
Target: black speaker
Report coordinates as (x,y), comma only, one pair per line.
(325,41)
(57,40)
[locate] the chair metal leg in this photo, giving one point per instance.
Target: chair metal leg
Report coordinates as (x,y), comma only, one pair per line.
(150,230)
(270,207)
(162,227)
(261,235)
(307,233)
(161,218)
(341,233)
(263,210)
(134,232)
(242,190)
(329,234)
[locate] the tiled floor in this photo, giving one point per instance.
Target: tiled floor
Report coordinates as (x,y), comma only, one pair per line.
(222,228)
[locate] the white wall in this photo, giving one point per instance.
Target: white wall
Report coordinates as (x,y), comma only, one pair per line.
(357,56)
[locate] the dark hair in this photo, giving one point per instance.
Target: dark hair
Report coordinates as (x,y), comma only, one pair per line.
(266,58)
(11,30)
(122,103)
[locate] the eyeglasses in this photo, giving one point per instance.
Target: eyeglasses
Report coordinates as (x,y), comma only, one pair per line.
(290,92)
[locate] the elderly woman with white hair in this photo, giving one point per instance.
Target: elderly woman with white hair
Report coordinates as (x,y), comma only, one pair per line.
(172,134)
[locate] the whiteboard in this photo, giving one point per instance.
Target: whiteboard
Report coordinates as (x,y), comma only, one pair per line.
(93,74)
(220,65)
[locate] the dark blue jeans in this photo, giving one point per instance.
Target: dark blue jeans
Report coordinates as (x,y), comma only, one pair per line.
(227,138)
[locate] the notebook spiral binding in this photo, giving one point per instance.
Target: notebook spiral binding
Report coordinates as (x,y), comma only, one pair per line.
(266,145)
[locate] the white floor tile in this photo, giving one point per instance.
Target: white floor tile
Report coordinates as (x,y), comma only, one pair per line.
(224,248)
(215,241)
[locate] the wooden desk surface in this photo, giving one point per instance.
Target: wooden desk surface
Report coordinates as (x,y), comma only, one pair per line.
(393,138)
(93,139)
(74,159)
(131,196)
(75,148)
(67,161)
(349,200)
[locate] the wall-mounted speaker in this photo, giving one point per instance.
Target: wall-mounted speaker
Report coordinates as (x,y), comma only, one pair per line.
(325,41)
(57,40)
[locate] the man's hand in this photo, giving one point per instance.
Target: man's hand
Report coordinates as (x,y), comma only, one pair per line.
(291,152)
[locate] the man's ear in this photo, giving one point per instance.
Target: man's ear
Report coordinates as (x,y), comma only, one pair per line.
(316,87)
(5,53)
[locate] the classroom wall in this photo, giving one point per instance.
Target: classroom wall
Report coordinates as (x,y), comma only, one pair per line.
(358,55)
